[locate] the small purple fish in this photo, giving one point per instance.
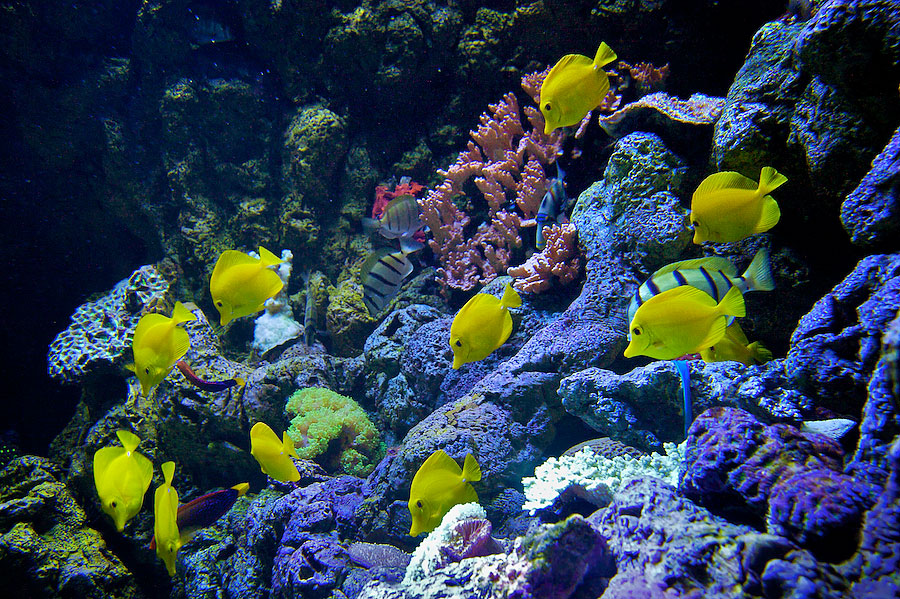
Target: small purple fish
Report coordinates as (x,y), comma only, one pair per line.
(207,385)
(202,512)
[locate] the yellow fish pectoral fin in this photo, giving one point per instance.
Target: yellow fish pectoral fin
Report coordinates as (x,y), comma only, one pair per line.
(770,216)
(604,56)
(288,446)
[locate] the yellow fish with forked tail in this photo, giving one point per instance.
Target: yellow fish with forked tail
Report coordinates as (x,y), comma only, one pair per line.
(159,343)
(728,206)
(682,320)
(574,86)
(736,347)
(438,485)
(122,477)
(165,524)
(274,454)
(240,284)
(482,325)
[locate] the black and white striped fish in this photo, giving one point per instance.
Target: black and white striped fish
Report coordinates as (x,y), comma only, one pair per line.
(713,274)
(381,275)
(400,220)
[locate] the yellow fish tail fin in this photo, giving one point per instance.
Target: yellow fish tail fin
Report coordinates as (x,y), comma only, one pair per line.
(182,314)
(759,274)
(510,298)
(732,305)
(168,470)
(129,440)
(759,352)
(769,180)
(771,214)
(471,470)
(604,56)
(288,446)
(241,488)
(267,258)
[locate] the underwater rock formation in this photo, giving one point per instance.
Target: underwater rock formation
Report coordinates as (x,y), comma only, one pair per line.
(46,548)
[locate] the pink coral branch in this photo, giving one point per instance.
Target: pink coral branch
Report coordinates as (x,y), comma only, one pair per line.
(560,261)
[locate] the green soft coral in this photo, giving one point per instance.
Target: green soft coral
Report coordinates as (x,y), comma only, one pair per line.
(333,430)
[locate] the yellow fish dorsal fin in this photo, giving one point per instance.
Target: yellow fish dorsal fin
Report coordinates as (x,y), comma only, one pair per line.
(681,293)
(724,180)
(267,258)
(181,314)
(559,69)
(769,180)
(771,214)
(736,333)
(147,322)
(440,461)
(241,488)
(510,298)
(604,56)
(168,470)
(709,263)
(287,445)
(128,439)
(228,260)
(471,471)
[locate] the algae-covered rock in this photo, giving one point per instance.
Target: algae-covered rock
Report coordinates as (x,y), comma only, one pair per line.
(46,547)
(347,319)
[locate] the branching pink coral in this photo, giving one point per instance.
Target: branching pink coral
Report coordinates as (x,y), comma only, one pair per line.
(504,159)
(560,261)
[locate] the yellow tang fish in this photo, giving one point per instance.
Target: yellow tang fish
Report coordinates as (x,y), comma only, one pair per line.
(158,343)
(240,284)
(482,325)
(438,486)
(274,454)
(736,347)
(122,477)
(680,321)
(165,526)
(728,206)
(574,86)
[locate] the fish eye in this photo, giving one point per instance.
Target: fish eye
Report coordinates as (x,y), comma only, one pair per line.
(636,331)
(547,106)
(219,303)
(147,370)
(113,504)
(419,504)
(695,223)
(458,343)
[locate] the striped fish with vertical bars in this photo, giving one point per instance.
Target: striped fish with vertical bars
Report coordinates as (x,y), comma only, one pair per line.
(713,274)
(400,220)
(381,275)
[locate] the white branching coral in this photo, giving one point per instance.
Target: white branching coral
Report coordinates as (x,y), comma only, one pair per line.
(597,474)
